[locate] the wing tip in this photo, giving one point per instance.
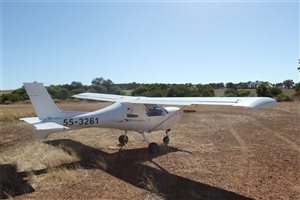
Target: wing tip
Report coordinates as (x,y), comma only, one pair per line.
(262,102)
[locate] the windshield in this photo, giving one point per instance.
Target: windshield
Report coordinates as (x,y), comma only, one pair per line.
(155,110)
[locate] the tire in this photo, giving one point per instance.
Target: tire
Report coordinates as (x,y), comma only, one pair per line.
(123,139)
(153,148)
(166,140)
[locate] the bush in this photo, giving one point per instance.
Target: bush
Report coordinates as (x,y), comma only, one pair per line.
(283,97)
(230,92)
(206,91)
(243,93)
(263,90)
(10,98)
(275,91)
(62,93)
(150,90)
(297,90)
(178,91)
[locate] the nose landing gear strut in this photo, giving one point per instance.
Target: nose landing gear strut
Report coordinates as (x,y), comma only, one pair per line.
(166,139)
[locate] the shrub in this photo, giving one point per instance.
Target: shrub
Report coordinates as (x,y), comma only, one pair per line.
(62,93)
(275,91)
(230,92)
(243,93)
(263,90)
(206,91)
(283,97)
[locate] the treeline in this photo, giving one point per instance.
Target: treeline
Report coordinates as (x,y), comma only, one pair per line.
(65,91)
(262,89)
(101,85)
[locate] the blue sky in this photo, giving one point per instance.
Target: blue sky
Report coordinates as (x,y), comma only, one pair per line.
(167,42)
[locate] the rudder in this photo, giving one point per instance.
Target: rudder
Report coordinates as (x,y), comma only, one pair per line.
(42,103)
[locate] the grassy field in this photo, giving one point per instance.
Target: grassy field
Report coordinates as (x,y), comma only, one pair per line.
(217,152)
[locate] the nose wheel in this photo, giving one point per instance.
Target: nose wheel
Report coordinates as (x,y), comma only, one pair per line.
(166,140)
(123,139)
(153,148)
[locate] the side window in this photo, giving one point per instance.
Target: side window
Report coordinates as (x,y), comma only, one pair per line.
(154,110)
(130,113)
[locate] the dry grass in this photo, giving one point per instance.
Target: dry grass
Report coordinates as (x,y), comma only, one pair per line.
(12,113)
(60,175)
(225,151)
(55,177)
(153,196)
(57,158)
(35,155)
(148,182)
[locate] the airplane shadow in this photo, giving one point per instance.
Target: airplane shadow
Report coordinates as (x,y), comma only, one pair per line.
(128,165)
(13,183)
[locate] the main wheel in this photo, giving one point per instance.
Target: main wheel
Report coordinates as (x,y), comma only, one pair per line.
(123,139)
(166,140)
(153,148)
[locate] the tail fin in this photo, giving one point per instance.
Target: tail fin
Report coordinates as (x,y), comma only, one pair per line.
(43,105)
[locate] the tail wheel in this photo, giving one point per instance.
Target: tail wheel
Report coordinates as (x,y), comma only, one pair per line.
(153,148)
(123,139)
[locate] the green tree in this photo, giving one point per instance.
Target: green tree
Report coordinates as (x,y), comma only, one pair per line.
(206,91)
(230,92)
(21,93)
(76,85)
(297,90)
(288,83)
(62,94)
(275,91)
(98,89)
(109,85)
(243,93)
(178,91)
(10,97)
(149,90)
(100,85)
(97,81)
(230,85)
(263,90)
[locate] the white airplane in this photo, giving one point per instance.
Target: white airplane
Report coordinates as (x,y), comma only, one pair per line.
(140,114)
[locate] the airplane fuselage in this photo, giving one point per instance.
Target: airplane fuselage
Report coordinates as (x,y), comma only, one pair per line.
(140,118)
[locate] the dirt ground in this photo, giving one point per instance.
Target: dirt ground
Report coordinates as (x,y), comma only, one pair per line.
(217,152)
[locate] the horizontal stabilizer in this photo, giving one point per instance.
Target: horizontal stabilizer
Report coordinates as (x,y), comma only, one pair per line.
(44,126)
(31,120)
(49,126)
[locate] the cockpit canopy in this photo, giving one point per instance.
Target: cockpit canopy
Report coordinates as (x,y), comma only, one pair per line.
(155,110)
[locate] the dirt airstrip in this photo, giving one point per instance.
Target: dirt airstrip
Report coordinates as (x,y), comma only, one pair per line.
(217,152)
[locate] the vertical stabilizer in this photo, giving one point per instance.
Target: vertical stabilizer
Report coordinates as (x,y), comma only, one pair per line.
(43,105)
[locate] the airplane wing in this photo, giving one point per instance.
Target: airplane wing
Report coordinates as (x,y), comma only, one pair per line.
(44,126)
(251,102)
